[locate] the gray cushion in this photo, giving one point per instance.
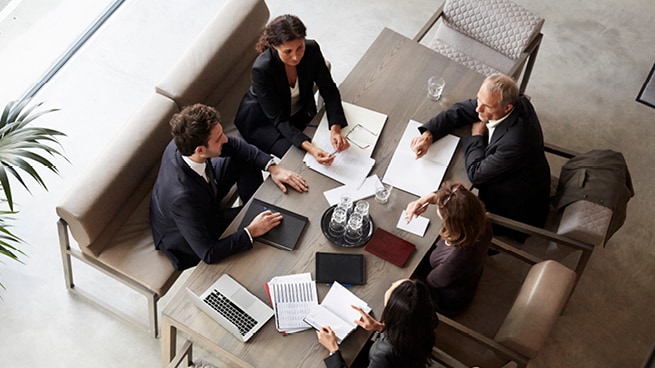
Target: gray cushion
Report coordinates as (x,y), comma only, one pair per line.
(500,24)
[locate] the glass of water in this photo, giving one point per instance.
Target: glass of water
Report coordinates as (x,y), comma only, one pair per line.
(382,192)
(435,87)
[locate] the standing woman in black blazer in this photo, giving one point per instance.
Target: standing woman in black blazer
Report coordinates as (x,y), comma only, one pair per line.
(280,102)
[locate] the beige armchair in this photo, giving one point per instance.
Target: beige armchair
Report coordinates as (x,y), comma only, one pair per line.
(577,224)
(524,327)
(488,36)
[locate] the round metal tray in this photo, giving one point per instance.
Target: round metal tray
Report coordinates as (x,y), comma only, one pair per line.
(367,230)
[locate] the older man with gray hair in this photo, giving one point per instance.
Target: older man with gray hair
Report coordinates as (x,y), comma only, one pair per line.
(505,156)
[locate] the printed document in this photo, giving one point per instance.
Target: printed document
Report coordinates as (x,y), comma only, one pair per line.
(292,297)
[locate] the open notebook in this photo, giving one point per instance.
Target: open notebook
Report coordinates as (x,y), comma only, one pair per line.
(336,311)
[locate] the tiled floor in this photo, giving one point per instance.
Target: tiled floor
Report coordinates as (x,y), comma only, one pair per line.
(593,60)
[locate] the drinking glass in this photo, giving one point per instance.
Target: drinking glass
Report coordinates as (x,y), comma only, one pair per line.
(435,87)
(382,192)
(353,230)
(361,208)
(345,202)
(338,222)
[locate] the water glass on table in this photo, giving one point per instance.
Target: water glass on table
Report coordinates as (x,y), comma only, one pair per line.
(435,87)
(382,192)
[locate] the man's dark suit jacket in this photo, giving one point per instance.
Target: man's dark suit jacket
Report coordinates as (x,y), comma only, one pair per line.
(265,111)
(185,215)
(510,172)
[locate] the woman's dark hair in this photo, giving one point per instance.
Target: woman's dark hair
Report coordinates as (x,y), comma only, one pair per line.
(283,28)
(463,215)
(409,322)
(192,126)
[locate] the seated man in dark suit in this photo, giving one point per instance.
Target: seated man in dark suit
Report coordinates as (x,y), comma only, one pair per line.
(505,156)
(198,168)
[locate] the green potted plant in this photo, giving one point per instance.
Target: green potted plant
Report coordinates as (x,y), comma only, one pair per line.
(23,149)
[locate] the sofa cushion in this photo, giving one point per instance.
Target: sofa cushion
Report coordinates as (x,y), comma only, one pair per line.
(207,69)
(133,254)
(117,181)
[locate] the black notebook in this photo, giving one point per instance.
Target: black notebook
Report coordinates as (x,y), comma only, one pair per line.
(341,267)
(286,234)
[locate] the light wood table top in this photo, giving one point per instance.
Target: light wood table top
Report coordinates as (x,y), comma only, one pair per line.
(390,78)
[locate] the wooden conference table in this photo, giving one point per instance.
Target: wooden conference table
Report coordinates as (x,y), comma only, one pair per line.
(390,78)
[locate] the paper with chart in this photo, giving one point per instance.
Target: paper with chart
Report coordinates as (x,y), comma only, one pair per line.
(292,297)
(336,311)
(424,175)
(350,167)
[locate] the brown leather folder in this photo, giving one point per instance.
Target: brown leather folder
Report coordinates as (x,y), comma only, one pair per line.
(389,247)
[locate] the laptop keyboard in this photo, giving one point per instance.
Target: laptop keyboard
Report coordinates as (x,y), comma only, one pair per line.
(231,312)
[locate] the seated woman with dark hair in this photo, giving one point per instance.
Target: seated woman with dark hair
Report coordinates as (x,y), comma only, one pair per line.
(407,329)
(280,102)
(457,261)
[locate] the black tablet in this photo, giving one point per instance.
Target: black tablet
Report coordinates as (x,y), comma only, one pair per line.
(347,269)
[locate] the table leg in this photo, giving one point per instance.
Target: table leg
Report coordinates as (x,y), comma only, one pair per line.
(168,341)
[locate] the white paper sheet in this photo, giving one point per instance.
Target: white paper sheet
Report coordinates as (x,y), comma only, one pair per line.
(417,226)
(424,175)
(367,189)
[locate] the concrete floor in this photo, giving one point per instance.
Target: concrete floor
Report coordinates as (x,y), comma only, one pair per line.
(594,57)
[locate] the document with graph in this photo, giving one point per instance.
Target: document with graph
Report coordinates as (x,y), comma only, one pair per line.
(292,298)
(428,171)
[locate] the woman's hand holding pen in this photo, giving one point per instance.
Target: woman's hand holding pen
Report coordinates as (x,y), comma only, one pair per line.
(417,207)
(322,157)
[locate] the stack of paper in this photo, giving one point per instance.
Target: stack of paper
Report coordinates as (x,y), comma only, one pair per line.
(424,175)
(337,312)
(292,298)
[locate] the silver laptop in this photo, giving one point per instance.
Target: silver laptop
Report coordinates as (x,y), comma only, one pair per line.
(233,307)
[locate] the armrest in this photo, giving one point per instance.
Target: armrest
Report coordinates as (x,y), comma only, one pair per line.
(429,24)
(559,151)
(533,230)
(482,339)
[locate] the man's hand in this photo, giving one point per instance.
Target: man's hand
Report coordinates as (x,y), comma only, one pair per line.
(366,321)
(339,142)
(282,176)
(264,222)
(479,128)
(421,144)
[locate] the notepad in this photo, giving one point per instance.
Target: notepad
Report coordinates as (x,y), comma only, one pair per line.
(389,247)
(337,312)
(340,267)
(286,234)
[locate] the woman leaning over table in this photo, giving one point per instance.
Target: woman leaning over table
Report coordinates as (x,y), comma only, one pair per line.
(280,102)
(455,265)
(407,329)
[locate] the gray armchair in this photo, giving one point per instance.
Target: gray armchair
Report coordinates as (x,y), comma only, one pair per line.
(488,36)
